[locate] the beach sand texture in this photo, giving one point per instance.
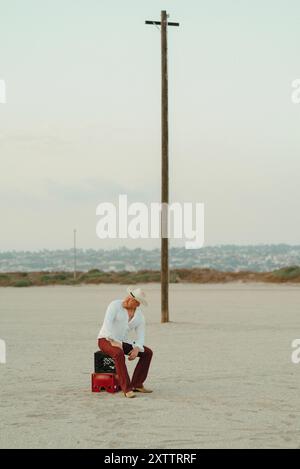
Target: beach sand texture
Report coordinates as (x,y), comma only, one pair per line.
(221,372)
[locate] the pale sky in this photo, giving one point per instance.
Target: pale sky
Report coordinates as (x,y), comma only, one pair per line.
(82,120)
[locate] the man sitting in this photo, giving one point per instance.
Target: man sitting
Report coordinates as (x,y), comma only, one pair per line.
(121,316)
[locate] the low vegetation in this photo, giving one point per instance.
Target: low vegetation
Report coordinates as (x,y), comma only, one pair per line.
(96,276)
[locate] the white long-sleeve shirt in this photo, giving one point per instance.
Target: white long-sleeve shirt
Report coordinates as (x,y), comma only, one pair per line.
(116,325)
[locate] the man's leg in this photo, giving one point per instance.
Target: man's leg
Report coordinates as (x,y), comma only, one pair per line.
(142,367)
(119,358)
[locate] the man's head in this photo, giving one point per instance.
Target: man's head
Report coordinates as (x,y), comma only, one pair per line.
(130,302)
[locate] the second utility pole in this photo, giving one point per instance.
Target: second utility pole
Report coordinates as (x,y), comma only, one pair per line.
(164,166)
(75,256)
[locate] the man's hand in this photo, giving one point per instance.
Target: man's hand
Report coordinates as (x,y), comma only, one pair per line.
(134,353)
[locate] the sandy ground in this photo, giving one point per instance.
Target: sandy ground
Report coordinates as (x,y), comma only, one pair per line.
(221,370)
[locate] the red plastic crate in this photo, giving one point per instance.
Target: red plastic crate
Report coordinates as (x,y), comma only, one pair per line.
(105,381)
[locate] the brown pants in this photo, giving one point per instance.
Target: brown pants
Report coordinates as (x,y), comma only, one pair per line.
(141,369)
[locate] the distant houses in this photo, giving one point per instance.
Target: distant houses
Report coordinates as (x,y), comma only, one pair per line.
(229,258)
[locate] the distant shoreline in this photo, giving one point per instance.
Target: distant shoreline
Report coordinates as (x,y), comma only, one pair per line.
(95,276)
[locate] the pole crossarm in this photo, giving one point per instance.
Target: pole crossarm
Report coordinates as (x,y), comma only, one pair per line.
(158,23)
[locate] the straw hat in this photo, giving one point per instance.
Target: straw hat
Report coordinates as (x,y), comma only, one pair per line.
(138,294)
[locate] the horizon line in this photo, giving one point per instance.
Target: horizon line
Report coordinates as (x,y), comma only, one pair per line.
(152,249)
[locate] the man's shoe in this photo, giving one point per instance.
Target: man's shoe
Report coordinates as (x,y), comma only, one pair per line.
(142,389)
(129,394)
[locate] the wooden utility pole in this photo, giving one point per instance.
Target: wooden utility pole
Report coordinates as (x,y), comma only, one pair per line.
(164,164)
(75,256)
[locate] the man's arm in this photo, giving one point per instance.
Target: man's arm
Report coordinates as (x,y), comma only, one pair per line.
(109,318)
(140,335)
